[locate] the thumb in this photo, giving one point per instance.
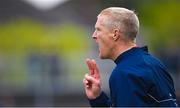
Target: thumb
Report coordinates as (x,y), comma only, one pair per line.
(90,78)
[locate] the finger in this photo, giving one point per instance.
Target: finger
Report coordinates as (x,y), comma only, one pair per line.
(90,79)
(85,81)
(96,70)
(86,84)
(90,66)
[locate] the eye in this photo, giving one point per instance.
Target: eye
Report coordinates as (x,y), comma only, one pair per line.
(97,29)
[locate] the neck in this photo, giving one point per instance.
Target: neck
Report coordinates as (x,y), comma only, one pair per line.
(121,48)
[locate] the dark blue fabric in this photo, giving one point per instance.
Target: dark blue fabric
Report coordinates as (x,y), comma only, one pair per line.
(139,79)
(101,101)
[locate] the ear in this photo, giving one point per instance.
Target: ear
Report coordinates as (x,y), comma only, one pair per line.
(116,34)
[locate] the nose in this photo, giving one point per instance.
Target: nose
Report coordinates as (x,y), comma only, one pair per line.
(94,36)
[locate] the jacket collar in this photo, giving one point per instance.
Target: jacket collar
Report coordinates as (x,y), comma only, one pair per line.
(130,52)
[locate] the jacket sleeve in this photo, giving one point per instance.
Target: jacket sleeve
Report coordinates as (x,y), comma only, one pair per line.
(101,101)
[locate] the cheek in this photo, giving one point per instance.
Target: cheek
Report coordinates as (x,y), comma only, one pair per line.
(104,40)
(105,45)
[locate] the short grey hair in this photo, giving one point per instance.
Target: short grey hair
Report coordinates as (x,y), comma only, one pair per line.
(124,19)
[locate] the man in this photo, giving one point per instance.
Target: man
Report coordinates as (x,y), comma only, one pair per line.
(139,79)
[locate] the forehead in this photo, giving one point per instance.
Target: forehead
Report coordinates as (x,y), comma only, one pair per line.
(101,20)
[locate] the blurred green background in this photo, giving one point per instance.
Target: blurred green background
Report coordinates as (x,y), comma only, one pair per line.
(43,49)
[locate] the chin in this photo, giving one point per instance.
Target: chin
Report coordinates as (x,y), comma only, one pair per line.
(102,56)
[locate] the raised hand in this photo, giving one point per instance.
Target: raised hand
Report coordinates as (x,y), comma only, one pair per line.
(92,81)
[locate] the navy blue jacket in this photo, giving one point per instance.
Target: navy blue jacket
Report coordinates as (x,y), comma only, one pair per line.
(139,79)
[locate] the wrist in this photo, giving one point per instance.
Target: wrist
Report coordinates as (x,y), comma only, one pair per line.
(95,96)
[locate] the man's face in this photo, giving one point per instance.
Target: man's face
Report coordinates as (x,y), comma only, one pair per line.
(103,37)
